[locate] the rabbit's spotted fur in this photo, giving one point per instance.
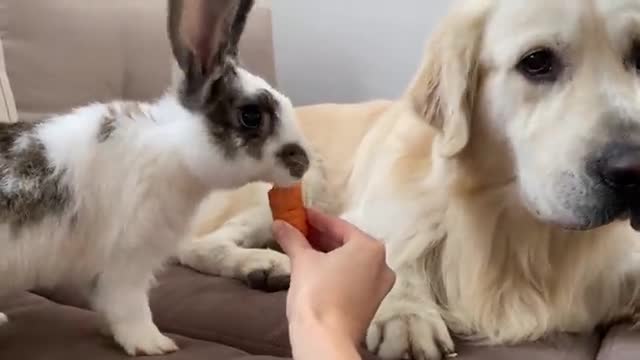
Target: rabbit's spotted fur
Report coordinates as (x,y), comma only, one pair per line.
(100,197)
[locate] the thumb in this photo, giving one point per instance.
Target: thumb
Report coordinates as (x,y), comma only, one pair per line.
(289,238)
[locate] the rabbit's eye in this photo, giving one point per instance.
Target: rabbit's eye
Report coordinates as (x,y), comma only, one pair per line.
(251,116)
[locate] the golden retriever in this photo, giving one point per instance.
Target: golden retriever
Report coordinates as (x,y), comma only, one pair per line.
(501,181)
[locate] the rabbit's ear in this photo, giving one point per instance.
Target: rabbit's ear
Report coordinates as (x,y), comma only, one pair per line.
(237,28)
(203,33)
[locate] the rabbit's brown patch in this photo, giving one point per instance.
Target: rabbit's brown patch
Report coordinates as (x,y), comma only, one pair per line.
(129,110)
(204,39)
(31,188)
(221,103)
(229,133)
(107,125)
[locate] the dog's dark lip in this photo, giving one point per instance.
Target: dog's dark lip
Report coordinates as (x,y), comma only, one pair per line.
(574,227)
(632,210)
(624,216)
(610,217)
(634,218)
(632,215)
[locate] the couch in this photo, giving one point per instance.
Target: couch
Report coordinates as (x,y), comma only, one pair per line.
(57,54)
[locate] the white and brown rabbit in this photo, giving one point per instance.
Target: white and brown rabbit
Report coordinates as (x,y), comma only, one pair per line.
(100,197)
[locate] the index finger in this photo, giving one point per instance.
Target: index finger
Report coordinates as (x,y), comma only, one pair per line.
(289,238)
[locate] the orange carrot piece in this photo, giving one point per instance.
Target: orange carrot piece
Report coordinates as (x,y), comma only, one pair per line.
(287,205)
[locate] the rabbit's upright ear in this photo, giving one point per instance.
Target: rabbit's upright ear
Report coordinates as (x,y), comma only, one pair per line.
(204,33)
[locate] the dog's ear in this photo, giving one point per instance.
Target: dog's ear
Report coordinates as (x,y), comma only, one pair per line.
(443,90)
(203,33)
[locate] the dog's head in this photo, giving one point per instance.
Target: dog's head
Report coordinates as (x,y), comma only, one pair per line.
(545,94)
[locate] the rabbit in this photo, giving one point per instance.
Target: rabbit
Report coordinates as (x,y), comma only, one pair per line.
(100,197)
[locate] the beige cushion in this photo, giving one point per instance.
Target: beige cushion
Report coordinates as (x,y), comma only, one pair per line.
(7,104)
(67,53)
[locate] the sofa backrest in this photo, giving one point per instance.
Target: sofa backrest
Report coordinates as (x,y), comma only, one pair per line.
(8,112)
(61,54)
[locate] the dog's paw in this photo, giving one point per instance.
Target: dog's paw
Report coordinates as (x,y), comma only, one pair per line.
(265,269)
(3,319)
(397,335)
(635,321)
(144,340)
(104,329)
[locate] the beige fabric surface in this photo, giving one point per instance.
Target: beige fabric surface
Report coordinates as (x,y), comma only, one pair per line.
(7,104)
(66,53)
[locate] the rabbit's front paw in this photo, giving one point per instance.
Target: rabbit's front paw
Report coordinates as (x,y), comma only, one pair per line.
(265,269)
(396,334)
(3,319)
(143,339)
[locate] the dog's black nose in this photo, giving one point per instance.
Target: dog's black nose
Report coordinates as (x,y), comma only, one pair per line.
(620,167)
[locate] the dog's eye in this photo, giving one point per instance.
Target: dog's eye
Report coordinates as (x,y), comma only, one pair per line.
(634,57)
(251,116)
(540,65)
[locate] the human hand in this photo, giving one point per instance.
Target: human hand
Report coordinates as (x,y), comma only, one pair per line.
(340,290)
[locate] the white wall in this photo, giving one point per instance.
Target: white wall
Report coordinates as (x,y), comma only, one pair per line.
(350,50)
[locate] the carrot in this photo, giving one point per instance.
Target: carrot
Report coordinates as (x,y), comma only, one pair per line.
(287,205)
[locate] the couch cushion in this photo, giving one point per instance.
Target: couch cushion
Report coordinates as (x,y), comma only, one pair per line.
(41,329)
(211,309)
(559,347)
(620,343)
(67,53)
(225,312)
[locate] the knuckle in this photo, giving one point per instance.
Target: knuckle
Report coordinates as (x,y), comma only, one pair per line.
(390,273)
(377,247)
(392,280)
(379,250)
(391,277)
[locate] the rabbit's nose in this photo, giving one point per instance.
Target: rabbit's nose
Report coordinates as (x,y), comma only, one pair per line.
(295,159)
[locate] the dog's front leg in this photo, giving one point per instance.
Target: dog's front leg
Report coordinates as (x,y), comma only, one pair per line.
(233,250)
(627,306)
(121,297)
(409,321)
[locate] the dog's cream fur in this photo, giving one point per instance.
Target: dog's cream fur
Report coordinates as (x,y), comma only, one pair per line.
(472,179)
